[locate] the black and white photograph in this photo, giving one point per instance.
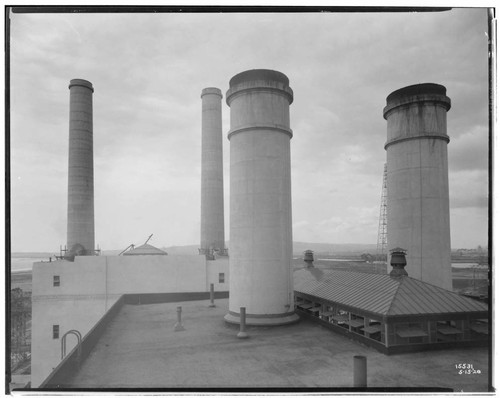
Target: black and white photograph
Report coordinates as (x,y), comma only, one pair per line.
(249,199)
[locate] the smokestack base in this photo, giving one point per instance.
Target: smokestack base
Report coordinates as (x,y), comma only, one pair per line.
(262,320)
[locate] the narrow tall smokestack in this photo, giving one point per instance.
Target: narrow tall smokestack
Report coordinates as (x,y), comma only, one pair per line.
(81,170)
(212,185)
(418,212)
(261,212)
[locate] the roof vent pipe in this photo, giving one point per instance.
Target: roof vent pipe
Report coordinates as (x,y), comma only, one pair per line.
(398,263)
(309,258)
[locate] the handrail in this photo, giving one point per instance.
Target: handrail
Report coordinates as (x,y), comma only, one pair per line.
(79,340)
(59,376)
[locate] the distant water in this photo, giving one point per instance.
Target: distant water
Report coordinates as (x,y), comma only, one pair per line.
(20,264)
(454,265)
(339,259)
(464,265)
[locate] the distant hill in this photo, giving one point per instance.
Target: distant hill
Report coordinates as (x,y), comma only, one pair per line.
(298,248)
(110,252)
(334,248)
(181,250)
(33,254)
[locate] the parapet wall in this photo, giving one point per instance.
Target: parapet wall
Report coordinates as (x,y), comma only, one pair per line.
(91,285)
(117,275)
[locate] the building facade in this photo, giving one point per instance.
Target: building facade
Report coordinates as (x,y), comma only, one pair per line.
(75,295)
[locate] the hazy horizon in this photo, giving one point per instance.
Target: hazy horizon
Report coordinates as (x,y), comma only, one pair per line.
(333,245)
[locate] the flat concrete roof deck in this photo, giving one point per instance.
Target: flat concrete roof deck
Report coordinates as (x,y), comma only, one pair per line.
(140,349)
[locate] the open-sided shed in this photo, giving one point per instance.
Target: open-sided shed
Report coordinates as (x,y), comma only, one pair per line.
(392,314)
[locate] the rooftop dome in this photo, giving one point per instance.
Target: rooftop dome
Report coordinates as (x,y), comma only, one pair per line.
(145,250)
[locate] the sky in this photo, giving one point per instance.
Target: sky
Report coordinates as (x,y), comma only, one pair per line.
(148,71)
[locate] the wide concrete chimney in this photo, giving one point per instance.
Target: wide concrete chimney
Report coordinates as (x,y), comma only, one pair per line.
(212,186)
(80,170)
(418,213)
(261,211)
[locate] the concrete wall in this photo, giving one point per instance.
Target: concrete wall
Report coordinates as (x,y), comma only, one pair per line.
(418,215)
(260,204)
(69,312)
(214,268)
(90,285)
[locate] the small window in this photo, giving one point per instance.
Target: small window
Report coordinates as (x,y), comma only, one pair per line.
(57,280)
(55,331)
(221,277)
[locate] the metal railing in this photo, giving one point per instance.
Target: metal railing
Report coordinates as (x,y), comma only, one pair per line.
(78,344)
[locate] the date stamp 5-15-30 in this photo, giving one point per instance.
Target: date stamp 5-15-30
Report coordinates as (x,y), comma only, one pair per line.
(466,369)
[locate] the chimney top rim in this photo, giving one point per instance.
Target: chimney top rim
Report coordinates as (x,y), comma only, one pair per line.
(416,89)
(81,82)
(259,74)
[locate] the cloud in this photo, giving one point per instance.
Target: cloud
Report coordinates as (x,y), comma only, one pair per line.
(468,188)
(469,151)
(469,227)
(148,71)
(341,225)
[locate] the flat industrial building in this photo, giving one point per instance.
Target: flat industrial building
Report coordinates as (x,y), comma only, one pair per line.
(137,348)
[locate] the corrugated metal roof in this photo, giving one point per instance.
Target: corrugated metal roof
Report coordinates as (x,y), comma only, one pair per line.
(417,297)
(370,292)
(380,293)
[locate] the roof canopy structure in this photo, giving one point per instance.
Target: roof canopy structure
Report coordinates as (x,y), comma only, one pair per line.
(382,294)
(145,250)
(392,314)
